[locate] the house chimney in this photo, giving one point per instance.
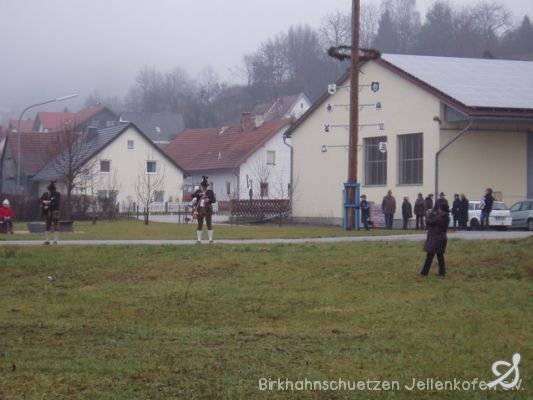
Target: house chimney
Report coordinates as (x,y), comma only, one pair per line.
(259,120)
(246,121)
(92,132)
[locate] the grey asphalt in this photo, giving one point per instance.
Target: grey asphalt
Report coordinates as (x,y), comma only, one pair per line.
(463,235)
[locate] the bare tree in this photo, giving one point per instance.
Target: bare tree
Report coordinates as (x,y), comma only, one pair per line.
(260,174)
(493,19)
(150,180)
(74,150)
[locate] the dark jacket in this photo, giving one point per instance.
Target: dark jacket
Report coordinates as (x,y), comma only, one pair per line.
(365,208)
(420,207)
(429,203)
(208,196)
(456,205)
(440,201)
(489,202)
(388,205)
(407,209)
(437,225)
(463,210)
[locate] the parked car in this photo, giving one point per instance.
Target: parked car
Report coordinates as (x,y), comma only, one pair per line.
(522,213)
(500,215)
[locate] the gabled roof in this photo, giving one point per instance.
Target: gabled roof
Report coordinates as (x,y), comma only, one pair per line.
(36,149)
(279,108)
(474,86)
(55,121)
(95,145)
(159,127)
(26,125)
(220,148)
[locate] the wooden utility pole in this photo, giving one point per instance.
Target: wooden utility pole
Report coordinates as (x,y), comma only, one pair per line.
(354,111)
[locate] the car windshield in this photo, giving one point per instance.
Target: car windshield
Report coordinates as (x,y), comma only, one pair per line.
(498,205)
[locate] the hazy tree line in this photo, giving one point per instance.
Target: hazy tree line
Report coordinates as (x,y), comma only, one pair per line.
(296,61)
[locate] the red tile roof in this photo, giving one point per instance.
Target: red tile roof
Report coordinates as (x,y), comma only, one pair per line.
(26,125)
(220,148)
(36,149)
(54,121)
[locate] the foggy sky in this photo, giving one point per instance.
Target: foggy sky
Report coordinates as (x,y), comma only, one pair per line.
(52,48)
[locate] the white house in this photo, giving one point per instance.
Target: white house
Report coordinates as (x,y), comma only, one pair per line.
(117,162)
(240,160)
(285,107)
(449,124)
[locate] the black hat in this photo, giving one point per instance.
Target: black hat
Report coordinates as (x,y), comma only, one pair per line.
(51,187)
(204,182)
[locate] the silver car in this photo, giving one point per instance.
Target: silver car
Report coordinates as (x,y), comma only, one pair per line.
(522,213)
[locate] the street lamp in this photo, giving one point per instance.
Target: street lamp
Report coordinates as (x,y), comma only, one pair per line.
(18,129)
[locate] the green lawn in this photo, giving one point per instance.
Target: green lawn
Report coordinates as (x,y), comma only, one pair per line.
(132,229)
(208,322)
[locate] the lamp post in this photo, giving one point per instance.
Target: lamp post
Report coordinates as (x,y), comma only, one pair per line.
(18,130)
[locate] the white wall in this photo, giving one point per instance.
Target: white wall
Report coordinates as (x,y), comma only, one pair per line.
(128,165)
(255,167)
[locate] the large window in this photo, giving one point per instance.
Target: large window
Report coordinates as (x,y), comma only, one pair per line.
(375,161)
(410,159)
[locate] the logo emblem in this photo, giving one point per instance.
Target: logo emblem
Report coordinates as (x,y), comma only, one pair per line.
(501,377)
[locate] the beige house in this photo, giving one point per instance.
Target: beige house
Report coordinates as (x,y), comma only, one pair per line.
(118,162)
(435,124)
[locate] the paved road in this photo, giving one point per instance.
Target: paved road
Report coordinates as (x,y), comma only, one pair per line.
(466,235)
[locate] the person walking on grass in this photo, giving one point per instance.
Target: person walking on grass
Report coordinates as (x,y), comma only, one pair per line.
(420,211)
(203,200)
(388,206)
(50,203)
(437,224)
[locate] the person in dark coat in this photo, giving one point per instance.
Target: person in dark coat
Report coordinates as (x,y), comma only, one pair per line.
(420,211)
(463,211)
(50,204)
(440,200)
(365,211)
(203,200)
(487,202)
(388,206)
(407,212)
(437,239)
(429,202)
(455,210)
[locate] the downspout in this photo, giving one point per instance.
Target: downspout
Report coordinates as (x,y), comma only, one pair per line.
(291,171)
(441,150)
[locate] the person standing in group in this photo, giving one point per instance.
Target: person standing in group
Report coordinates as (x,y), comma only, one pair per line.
(456,205)
(420,211)
(463,211)
(487,202)
(203,200)
(365,211)
(6,217)
(388,206)
(407,212)
(441,200)
(50,210)
(437,224)
(429,202)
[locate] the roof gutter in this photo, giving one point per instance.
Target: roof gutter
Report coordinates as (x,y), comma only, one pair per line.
(437,154)
(291,171)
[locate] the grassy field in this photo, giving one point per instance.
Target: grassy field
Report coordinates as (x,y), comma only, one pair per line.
(208,322)
(132,229)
